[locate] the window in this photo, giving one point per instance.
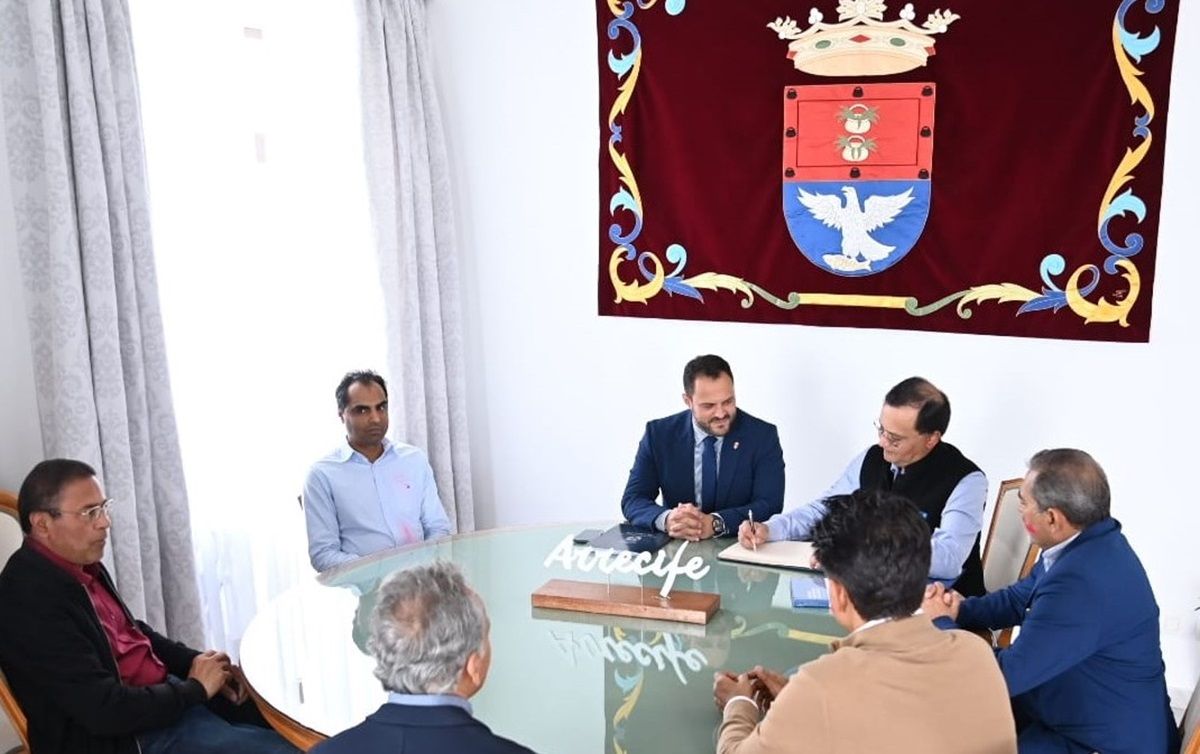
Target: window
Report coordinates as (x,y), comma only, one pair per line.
(268,276)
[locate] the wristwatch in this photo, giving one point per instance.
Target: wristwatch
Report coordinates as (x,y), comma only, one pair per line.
(718,525)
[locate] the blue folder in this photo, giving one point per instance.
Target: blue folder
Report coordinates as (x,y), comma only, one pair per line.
(809,591)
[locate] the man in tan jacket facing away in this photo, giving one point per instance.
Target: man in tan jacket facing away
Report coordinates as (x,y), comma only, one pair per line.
(896,683)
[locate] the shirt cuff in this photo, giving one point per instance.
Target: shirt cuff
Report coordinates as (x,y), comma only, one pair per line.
(739,698)
(776,528)
(660,523)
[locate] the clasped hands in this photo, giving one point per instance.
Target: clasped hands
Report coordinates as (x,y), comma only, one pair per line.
(941,601)
(687,521)
(759,684)
(216,673)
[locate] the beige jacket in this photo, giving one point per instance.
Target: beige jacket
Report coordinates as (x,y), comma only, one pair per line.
(897,687)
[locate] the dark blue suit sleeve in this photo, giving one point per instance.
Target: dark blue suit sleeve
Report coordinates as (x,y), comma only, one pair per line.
(641,490)
(766,496)
(1004,608)
(1061,629)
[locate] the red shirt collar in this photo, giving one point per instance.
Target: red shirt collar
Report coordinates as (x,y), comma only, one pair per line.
(83,574)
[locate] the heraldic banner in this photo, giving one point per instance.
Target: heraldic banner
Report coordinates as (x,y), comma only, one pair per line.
(978,166)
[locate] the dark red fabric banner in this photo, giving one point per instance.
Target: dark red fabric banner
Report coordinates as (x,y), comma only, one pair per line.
(988,167)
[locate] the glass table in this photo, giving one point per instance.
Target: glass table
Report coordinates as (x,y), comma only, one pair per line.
(561,682)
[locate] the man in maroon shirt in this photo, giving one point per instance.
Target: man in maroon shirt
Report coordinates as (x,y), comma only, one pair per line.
(90,677)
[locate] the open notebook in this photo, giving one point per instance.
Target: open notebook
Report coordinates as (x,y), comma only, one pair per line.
(783,554)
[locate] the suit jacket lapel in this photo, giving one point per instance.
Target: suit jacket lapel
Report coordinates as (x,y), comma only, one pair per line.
(685,460)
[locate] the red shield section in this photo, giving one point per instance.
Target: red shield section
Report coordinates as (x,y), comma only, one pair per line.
(866,131)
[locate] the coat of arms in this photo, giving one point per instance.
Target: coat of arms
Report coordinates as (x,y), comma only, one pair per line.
(858,158)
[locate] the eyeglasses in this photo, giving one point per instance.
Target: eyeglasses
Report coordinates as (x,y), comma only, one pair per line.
(893,440)
(91,514)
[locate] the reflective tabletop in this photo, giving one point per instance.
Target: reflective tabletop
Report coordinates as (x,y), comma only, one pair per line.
(560,682)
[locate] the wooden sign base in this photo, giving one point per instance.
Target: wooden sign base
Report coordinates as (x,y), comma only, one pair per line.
(631,601)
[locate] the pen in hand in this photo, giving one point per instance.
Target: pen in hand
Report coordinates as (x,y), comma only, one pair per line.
(753,539)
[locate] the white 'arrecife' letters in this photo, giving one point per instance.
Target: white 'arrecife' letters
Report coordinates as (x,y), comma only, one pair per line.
(643,563)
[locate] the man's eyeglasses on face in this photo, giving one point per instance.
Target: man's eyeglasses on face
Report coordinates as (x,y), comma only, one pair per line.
(893,440)
(91,514)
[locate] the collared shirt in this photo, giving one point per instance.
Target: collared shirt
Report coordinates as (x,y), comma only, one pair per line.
(962,518)
(354,507)
(699,435)
(869,624)
(136,662)
(430,700)
(1050,554)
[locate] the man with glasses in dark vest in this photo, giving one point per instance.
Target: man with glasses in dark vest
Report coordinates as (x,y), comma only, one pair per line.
(911,459)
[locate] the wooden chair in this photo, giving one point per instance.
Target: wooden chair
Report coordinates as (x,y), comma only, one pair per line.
(1008,546)
(1189,731)
(10,540)
(1004,638)
(10,527)
(15,715)
(1008,554)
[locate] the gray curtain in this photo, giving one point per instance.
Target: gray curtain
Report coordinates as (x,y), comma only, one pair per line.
(408,179)
(72,119)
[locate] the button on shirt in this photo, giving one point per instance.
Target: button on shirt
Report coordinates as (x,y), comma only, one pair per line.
(699,435)
(354,507)
(136,662)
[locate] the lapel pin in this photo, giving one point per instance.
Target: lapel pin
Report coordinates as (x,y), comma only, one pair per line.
(735,444)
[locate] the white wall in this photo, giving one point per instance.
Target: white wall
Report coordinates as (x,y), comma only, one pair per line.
(559,396)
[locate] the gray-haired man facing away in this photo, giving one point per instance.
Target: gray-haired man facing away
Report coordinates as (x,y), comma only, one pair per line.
(429,637)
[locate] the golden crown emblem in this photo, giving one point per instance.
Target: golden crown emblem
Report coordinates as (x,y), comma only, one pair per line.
(861,43)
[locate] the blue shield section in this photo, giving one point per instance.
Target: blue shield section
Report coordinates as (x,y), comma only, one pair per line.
(855,228)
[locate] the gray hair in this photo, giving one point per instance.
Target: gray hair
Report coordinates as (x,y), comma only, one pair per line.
(426,624)
(1071,481)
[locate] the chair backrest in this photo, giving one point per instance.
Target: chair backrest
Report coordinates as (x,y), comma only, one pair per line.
(1190,730)
(15,715)
(1004,637)
(10,527)
(10,541)
(1008,546)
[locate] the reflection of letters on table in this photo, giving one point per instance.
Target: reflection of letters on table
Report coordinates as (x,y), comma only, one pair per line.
(666,651)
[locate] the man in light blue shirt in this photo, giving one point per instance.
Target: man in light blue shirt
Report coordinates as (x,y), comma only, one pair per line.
(911,459)
(369,494)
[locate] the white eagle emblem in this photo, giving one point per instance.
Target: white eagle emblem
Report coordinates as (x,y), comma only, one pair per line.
(856,222)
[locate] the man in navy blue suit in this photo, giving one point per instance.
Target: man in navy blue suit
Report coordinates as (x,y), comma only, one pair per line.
(712,463)
(429,638)
(1086,672)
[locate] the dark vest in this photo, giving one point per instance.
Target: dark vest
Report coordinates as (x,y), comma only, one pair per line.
(928,483)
